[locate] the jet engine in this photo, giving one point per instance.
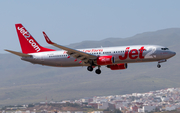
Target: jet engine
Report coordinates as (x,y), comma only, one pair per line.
(105,60)
(118,66)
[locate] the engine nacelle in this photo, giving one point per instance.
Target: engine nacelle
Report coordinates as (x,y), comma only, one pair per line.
(118,66)
(105,60)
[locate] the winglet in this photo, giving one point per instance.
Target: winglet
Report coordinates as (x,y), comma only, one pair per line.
(47,38)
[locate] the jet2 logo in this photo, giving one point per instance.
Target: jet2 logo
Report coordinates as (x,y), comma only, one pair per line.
(24,32)
(105,59)
(27,35)
(133,54)
(34,45)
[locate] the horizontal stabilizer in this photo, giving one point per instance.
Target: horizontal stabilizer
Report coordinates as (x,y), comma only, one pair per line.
(18,53)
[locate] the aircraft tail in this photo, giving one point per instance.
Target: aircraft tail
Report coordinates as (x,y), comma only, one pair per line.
(27,42)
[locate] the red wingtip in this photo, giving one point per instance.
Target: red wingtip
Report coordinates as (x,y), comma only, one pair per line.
(47,38)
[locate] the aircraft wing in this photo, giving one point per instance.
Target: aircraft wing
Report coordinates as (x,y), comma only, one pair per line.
(72,52)
(18,53)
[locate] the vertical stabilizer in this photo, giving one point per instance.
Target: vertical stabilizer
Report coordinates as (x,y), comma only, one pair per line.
(27,42)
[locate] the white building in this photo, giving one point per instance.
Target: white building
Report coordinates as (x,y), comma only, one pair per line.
(103,105)
(98,112)
(164,98)
(118,106)
(147,109)
(79,112)
(170,108)
(84,100)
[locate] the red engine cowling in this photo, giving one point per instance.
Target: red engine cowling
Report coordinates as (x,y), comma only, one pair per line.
(118,66)
(105,60)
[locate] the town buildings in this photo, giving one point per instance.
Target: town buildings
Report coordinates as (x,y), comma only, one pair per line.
(160,100)
(153,101)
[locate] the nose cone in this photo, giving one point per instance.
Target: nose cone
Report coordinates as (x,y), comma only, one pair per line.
(172,53)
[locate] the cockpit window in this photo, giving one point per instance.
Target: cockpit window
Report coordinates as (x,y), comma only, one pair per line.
(164,49)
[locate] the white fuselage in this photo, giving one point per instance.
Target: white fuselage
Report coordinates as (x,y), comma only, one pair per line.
(121,54)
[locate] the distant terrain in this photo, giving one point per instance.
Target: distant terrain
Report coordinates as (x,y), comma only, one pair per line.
(23,83)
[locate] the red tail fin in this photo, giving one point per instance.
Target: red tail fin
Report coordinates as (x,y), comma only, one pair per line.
(28,43)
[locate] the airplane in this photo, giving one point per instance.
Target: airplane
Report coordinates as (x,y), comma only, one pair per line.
(115,58)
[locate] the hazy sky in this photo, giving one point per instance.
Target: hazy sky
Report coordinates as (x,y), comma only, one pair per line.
(71,21)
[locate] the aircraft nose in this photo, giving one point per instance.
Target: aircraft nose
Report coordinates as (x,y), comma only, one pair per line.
(173,53)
